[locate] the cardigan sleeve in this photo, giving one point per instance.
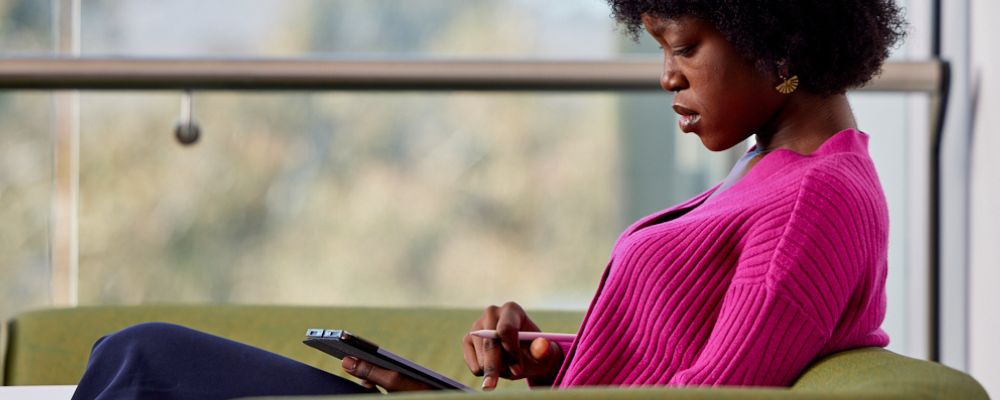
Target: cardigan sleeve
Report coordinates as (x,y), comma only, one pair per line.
(785,301)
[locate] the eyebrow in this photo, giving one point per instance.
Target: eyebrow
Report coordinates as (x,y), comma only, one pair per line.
(686,24)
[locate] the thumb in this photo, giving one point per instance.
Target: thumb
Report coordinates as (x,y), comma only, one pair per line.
(542,350)
(545,354)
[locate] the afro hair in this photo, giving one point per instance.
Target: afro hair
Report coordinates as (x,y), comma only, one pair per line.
(832,45)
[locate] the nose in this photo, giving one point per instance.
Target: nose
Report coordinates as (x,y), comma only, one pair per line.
(672,80)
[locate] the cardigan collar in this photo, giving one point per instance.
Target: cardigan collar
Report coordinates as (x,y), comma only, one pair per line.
(845,141)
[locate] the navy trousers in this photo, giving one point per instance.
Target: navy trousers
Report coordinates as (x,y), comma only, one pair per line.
(163,361)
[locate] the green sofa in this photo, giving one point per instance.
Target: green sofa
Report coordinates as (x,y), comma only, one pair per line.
(50,347)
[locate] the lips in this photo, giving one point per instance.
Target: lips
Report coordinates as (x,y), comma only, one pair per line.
(688,120)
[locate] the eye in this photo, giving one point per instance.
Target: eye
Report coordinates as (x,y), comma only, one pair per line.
(683,51)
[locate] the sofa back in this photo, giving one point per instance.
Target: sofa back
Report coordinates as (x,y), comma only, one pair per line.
(51,347)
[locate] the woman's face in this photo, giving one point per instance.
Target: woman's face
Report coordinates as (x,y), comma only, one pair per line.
(720,96)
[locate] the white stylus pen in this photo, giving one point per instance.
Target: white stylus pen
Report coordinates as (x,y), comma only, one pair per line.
(555,337)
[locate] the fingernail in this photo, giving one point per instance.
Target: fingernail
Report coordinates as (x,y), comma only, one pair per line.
(349,363)
(516,369)
(489,383)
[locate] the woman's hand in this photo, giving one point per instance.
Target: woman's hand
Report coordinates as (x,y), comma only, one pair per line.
(505,357)
(372,375)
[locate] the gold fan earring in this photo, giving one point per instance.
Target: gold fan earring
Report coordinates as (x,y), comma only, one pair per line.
(788,85)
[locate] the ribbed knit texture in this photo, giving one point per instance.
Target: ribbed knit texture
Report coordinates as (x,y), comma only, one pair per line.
(747,287)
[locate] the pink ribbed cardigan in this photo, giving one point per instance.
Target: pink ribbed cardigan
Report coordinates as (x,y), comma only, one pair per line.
(747,287)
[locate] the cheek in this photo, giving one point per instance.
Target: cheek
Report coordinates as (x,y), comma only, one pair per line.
(737,100)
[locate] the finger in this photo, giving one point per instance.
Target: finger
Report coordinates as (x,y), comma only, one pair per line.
(470,353)
(480,346)
(508,326)
(487,321)
(493,364)
(392,381)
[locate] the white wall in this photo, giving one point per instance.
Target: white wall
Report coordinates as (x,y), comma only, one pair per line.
(984,278)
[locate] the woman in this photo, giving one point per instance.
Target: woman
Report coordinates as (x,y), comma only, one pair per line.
(745,284)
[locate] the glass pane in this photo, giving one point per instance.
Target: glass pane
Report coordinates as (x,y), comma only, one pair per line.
(25,191)
(885,117)
(25,27)
(517,28)
(349,198)
(422,28)
(25,165)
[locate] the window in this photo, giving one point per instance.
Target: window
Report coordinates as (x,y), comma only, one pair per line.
(433,198)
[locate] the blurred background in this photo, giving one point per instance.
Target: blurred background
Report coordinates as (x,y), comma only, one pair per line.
(447,199)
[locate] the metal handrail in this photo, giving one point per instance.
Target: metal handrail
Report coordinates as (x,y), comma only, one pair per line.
(378,74)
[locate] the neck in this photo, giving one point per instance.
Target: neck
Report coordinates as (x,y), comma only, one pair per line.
(805,122)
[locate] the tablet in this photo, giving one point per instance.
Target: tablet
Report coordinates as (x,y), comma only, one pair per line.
(341,343)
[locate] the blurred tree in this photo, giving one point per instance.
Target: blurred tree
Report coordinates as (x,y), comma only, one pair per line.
(25,165)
